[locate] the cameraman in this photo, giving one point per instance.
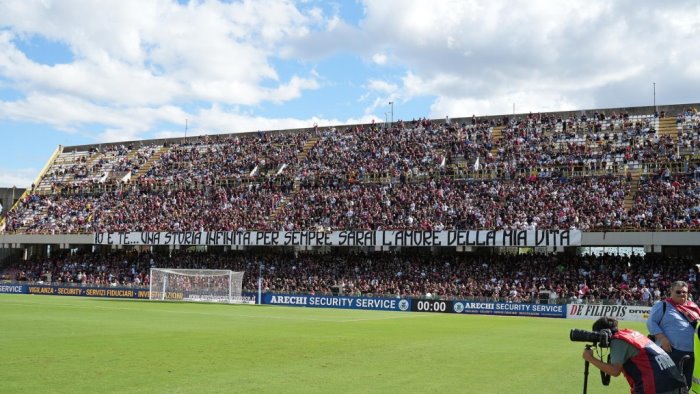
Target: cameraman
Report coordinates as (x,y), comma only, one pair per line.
(648,369)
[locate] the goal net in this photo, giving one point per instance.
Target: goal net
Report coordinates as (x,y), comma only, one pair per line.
(170,284)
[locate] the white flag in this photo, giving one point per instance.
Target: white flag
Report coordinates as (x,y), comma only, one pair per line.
(476,165)
(126,177)
(104,177)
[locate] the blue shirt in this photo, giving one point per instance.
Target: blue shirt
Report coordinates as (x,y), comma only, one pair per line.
(673,324)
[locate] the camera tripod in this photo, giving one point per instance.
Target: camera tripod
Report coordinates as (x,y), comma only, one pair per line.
(605,378)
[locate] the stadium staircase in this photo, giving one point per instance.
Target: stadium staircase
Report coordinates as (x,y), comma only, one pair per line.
(280,207)
(94,158)
(667,126)
(131,156)
(635,175)
(497,137)
(302,156)
(151,161)
(308,145)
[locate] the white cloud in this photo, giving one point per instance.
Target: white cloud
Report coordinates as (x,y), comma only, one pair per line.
(570,53)
(102,79)
(382,86)
(293,89)
(67,112)
(139,65)
(136,56)
(520,102)
(19,177)
(217,120)
(379,58)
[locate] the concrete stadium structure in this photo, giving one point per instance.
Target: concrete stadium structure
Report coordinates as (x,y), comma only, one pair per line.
(681,242)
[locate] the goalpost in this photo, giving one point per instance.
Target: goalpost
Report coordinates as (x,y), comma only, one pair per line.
(174,284)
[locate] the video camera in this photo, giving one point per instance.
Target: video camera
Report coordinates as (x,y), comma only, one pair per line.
(597,338)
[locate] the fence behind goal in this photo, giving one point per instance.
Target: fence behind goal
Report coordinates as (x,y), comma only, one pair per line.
(172,284)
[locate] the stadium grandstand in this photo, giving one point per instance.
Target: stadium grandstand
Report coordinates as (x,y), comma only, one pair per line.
(581,206)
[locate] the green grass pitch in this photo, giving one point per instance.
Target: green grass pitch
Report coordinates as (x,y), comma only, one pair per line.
(67,345)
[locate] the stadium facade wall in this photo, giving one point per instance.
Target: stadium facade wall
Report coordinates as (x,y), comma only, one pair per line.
(8,197)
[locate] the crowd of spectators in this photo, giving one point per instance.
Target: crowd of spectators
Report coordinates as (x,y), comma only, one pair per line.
(436,204)
(688,124)
(666,202)
(598,142)
(244,207)
(98,165)
(415,148)
(524,204)
(498,277)
(379,177)
(230,157)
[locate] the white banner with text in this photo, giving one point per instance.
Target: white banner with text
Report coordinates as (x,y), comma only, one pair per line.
(540,238)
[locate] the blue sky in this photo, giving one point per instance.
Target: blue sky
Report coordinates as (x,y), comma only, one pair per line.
(80,72)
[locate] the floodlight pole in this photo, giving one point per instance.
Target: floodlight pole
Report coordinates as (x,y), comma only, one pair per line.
(185,127)
(654,95)
(392,112)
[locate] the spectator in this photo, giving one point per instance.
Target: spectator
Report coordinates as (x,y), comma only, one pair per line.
(672,322)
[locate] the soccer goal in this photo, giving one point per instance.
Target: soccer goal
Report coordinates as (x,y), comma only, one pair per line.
(171,284)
